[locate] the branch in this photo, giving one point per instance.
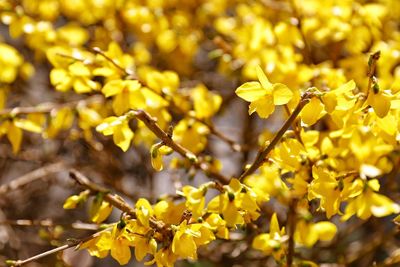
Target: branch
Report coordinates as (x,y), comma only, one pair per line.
(291,226)
(306,50)
(372,69)
(151,124)
(31,177)
(260,158)
(115,200)
(49,223)
(48,107)
(70,244)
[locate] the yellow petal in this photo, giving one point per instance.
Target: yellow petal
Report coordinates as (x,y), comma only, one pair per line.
(123,136)
(14,135)
(326,230)
(251,91)
(71,202)
(100,214)
(28,125)
(184,246)
(312,111)
(383,206)
(263,79)
(60,79)
(282,94)
(274,225)
(381,104)
(112,88)
(121,251)
(263,106)
(156,158)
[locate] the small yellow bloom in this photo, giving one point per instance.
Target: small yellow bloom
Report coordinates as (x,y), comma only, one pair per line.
(73,201)
(263,95)
(272,242)
(143,211)
(309,233)
(119,128)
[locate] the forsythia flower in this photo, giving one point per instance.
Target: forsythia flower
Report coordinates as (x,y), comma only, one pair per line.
(370,203)
(272,242)
(263,95)
(188,237)
(127,95)
(309,233)
(237,204)
(119,128)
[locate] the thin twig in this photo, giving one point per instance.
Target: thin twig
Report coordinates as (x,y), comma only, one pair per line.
(49,223)
(115,200)
(31,177)
(48,107)
(307,50)
(260,158)
(70,244)
(291,226)
(151,124)
(371,70)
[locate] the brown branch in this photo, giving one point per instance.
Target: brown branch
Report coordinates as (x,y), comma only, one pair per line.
(49,223)
(295,126)
(371,70)
(48,107)
(115,200)
(152,125)
(261,156)
(298,23)
(17,263)
(31,177)
(112,61)
(291,226)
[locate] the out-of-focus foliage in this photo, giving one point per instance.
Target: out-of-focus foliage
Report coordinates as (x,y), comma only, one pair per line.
(331,67)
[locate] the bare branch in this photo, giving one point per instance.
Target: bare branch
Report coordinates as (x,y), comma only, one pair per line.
(31,177)
(150,122)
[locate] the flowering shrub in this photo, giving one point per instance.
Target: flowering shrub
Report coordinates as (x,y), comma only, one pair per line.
(321,79)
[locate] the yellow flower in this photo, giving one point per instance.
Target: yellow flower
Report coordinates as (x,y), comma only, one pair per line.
(60,119)
(191,135)
(188,237)
(108,69)
(263,95)
(98,246)
(156,153)
(217,225)
(312,111)
(163,258)
(168,211)
(76,75)
(143,246)
(238,204)
(206,103)
(272,242)
(380,101)
(195,199)
(309,233)
(10,61)
(14,134)
(127,95)
(143,211)
(100,209)
(370,203)
(325,187)
(74,200)
(119,128)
